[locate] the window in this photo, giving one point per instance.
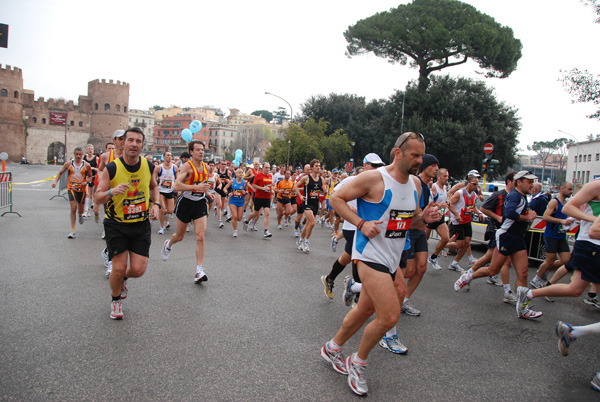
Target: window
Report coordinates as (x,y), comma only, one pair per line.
(597,157)
(584,157)
(16,94)
(175,132)
(125,109)
(575,158)
(589,157)
(4,93)
(165,132)
(579,158)
(34,119)
(118,108)
(43,120)
(96,106)
(80,124)
(106,106)
(72,123)
(177,124)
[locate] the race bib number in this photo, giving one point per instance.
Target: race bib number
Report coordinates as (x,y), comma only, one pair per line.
(398,224)
(198,193)
(134,208)
(238,193)
(315,193)
(287,191)
(469,210)
(167,183)
(77,186)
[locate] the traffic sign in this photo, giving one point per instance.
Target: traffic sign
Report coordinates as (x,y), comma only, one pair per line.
(488,148)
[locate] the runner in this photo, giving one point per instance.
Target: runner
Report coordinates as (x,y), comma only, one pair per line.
(299,190)
(236,189)
(332,218)
(510,240)
(439,192)
(249,177)
(313,184)
(224,178)
(417,254)
(263,187)
(462,207)
(80,173)
(555,236)
(375,249)
(128,189)
(214,181)
(192,205)
(585,258)
(93,161)
(284,189)
(166,174)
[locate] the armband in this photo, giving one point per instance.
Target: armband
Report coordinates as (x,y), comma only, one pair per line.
(360,224)
(109,195)
(159,205)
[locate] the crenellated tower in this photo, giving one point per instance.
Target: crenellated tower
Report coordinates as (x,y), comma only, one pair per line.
(12,127)
(109,104)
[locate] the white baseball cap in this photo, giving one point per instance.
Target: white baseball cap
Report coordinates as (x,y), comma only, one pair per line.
(373,159)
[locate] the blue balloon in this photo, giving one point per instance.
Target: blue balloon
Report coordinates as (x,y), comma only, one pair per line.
(239,152)
(195,126)
(186,134)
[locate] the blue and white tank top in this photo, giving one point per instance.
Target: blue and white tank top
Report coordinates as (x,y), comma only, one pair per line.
(396,209)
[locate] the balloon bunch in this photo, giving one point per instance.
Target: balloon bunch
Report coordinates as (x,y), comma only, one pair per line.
(238,157)
(186,133)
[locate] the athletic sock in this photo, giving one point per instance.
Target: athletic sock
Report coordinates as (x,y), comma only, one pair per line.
(391,332)
(356,287)
(507,289)
(586,330)
(116,298)
(433,256)
(335,270)
(529,294)
(332,346)
(357,360)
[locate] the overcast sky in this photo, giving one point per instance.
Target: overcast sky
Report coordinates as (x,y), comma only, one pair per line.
(226,54)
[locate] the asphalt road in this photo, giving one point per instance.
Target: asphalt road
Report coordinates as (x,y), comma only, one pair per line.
(253,331)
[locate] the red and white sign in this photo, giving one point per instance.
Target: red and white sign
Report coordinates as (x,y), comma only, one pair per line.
(58,119)
(488,148)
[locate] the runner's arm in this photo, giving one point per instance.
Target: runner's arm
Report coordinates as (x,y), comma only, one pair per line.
(60,173)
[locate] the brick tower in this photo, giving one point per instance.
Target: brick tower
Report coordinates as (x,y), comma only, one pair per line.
(12,127)
(109,107)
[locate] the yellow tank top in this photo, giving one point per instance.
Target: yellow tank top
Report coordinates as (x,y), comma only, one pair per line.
(131,206)
(332,184)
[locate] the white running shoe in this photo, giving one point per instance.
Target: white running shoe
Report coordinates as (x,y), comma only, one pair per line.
(472,260)
(279,227)
(71,235)
(200,277)
(434,263)
(295,233)
(305,246)
(116,310)
(235,233)
(164,254)
(161,231)
(221,224)
(108,269)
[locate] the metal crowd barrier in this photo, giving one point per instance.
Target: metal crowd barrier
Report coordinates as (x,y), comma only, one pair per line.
(6,193)
(62,185)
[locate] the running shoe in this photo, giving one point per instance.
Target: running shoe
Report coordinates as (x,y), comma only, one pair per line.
(267,234)
(357,379)
(327,287)
(536,283)
(461,283)
(167,225)
(161,231)
(494,280)
(393,344)
(245,226)
(529,314)
(348,295)
(434,263)
(510,298)
(124,291)
(355,302)
(200,277)
(252,226)
(228,218)
(322,222)
(108,269)
(334,242)
(104,254)
(295,233)
(116,310)
(81,219)
(549,299)
(286,223)
(164,254)
(455,267)
(472,260)
(410,310)
(595,383)
(235,233)
(103,234)
(279,226)
(299,243)
(71,235)
(563,331)
(592,301)
(221,224)
(305,246)
(335,358)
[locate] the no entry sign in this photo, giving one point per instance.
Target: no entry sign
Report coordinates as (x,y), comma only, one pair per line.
(488,148)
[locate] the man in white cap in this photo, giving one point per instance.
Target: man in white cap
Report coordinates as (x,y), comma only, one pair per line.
(510,239)
(374,160)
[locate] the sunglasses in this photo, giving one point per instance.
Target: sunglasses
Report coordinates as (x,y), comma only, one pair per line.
(412,136)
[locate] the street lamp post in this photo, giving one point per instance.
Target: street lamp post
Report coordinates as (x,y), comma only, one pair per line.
(288,159)
(277,96)
(577,156)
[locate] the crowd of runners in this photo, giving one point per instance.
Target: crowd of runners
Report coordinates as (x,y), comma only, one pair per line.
(385,214)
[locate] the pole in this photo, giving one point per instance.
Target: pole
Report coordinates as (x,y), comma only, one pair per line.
(66,119)
(402,123)
(288,159)
(277,96)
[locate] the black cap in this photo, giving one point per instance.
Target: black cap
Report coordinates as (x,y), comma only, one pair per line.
(428,160)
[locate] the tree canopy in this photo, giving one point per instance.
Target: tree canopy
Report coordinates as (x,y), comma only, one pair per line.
(457,117)
(308,141)
(436,34)
(268,116)
(280,115)
(583,87)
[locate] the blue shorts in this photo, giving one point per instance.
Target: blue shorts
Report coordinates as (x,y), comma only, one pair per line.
(508,243)
(586,258)
(236,201)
